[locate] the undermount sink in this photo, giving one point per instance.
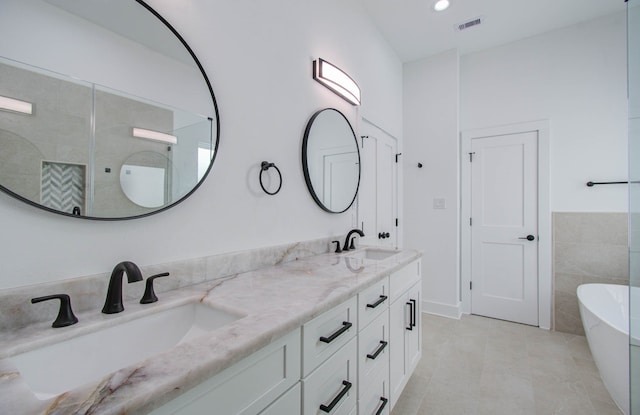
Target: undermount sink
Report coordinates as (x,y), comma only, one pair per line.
(60,367)
(373,253)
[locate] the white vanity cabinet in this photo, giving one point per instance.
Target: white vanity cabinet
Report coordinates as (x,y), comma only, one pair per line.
(249,387)
(405,328)
(354,359)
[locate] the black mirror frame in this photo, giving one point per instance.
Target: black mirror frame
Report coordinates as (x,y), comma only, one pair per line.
(215,147)
(305,165)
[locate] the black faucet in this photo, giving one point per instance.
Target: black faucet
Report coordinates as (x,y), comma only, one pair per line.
(346,246)
(113,303)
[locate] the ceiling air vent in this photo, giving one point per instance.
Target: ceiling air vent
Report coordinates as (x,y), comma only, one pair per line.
(469,24)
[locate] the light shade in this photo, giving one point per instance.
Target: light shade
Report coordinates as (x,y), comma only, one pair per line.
(336,80)
(441,5)
(154,135)
(15,105)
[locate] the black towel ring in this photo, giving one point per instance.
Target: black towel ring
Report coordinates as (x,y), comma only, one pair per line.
(266,166)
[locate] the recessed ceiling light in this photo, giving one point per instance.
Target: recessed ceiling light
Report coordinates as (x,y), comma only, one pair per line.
(441,5)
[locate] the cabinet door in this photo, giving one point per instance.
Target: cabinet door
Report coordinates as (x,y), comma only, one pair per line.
(413,338)
(398,323)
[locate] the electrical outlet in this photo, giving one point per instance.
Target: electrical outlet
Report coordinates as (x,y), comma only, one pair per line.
(439,203)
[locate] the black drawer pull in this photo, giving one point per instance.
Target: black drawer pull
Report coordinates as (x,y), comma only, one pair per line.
(384,403)
(379,350)
(413,314)
(410,304)
(377,303)
(345,326)
(334,402)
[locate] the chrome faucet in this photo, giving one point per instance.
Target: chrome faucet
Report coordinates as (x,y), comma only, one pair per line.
(113,303)
(346,246)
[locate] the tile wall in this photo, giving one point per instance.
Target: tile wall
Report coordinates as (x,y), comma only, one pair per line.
(588,247)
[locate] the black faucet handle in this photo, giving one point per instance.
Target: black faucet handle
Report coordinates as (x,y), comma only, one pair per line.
(149,295)
(65,314)
(338,250)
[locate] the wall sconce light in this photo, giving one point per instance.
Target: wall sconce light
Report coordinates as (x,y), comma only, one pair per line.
(336,80)
(15,105)
(154,135)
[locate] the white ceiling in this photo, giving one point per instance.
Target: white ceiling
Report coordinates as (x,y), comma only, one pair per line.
(414,30)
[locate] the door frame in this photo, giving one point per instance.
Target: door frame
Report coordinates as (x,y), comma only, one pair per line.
(545,282)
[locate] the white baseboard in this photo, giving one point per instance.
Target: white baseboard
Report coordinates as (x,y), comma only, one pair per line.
(440,309)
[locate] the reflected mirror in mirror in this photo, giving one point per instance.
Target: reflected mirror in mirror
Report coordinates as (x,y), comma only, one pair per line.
(331,160)
(90,73)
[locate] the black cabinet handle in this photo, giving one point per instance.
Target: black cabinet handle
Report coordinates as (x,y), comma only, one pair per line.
(377,303)
(383,235)
(334,402)
(413,315)
(529,238)
(410,304)
(384,403)
(345,326)
(379,350)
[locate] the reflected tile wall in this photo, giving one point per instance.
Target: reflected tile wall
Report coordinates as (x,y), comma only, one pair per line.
(588,247)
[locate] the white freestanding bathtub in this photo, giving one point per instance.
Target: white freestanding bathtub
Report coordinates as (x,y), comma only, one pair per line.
(604,309)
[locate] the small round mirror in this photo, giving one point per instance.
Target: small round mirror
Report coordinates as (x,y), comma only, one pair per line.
(331,160)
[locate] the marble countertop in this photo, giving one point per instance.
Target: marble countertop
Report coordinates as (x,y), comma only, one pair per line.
(273,301)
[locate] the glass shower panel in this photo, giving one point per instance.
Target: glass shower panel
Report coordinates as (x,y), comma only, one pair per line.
(633,45)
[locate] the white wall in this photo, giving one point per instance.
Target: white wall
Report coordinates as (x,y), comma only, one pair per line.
(577,79)
(574,77)
(431,138)
(258,56)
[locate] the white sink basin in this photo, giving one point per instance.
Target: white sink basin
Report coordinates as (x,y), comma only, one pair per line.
(373,253)
(57,368)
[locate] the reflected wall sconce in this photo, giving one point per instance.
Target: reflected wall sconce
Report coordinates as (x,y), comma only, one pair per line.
(336,80)
(154,135)
(15,105)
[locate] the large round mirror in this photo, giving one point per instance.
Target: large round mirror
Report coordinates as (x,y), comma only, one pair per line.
(331,160)
(105,111)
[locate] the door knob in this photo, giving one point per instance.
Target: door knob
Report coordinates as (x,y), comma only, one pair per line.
(528,238)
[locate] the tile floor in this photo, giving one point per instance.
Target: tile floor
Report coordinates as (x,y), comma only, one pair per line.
(481,366)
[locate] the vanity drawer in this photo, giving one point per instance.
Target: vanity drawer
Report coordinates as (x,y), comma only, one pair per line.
(373,347)
(374,397)
(401,280)
(325,334)
(333,384)
(289,403)
(372,302)
(247,387)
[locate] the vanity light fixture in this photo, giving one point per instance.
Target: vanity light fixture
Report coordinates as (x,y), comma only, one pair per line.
(441,5)
(15,105)
(336,80)
(154,135)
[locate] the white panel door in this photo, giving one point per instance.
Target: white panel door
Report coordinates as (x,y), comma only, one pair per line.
(377,196)
(504,242)
(338,168)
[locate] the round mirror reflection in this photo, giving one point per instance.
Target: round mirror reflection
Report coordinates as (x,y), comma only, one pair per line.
(116,81)
(331,160)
